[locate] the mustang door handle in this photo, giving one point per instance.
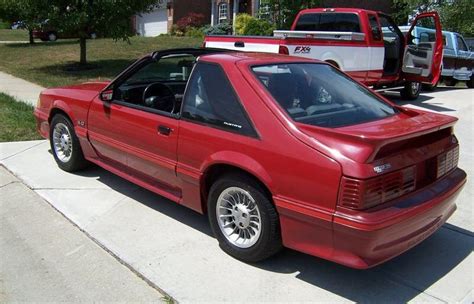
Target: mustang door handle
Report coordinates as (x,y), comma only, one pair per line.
(164,130)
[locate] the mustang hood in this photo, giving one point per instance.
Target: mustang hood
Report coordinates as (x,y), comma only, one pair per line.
(85,91)
(366,142)
(96,86)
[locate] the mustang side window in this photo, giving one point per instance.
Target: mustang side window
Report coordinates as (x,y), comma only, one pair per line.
(158,85)
(210,99)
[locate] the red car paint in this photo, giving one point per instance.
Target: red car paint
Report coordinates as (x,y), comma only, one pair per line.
(362,57)
(300,165)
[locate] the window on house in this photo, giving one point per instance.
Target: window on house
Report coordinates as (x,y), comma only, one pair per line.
(223,10)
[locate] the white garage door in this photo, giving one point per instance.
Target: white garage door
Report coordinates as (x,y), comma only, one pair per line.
(153,23)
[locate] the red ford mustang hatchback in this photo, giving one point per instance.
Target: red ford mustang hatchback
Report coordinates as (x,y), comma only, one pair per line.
(276,150)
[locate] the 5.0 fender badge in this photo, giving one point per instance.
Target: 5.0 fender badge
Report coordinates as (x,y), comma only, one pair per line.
(382,168)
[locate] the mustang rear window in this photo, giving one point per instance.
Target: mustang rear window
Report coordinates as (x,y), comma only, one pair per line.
(320,95)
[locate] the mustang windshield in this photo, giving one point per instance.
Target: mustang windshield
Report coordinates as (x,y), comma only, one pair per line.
(320,95)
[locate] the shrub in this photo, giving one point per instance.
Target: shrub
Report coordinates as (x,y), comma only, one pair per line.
(219,29)
(190,20)
(241,22)
(195,32)
(258,27)
(175,31)
(4,25)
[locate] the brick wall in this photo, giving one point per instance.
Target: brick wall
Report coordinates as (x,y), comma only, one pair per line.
(181,8)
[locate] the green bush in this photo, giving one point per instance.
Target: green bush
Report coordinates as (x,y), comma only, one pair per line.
(258,27)
(4,25)
(195,32)
(175,31)
(241,22)
(219,29)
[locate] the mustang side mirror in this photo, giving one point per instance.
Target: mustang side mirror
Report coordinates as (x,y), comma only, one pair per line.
(106,95)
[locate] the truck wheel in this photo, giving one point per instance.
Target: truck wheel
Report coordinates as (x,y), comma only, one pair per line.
(65,145)
(450,82)
(411,91)
(243,218)
(470,82)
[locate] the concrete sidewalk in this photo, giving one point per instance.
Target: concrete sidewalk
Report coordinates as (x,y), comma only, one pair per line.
(20,89)
(45,258)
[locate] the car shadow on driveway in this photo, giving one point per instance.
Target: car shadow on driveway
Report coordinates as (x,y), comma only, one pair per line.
(411,273)
(421,102)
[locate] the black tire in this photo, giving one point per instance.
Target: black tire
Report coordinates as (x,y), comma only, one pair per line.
(269,241)
(470,82)
(411,91)
(450,82)
(76,161)
(52,36)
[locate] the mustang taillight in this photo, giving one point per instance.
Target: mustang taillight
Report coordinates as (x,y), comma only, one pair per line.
(362,194)
(447,161)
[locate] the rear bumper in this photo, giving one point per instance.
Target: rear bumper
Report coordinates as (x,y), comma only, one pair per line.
(42,123)
(366,239)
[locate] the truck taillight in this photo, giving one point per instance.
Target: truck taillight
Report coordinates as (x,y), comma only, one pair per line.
(283,50)
(362,194)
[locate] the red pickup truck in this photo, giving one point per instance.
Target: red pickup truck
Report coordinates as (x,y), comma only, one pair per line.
(352,40)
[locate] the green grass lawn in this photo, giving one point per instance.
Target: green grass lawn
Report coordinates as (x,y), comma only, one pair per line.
(13,35)
(43,63)
(17,120)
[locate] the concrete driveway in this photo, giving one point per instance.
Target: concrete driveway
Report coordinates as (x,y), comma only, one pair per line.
(172,246)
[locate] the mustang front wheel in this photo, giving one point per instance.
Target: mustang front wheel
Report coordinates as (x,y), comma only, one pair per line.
(243,218)
(65,144)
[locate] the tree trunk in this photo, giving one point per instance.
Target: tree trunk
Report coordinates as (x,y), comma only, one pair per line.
(30,34)
(82,42)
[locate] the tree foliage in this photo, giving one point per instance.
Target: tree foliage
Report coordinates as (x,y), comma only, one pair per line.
(459,17)
(456,15)
(31,12)
(80,17)
(283,12)
(109,17)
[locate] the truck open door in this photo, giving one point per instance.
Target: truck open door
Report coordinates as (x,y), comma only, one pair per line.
(423,52)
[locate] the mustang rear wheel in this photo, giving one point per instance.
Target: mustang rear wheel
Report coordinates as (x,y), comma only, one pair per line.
(243,219)
(65,144)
